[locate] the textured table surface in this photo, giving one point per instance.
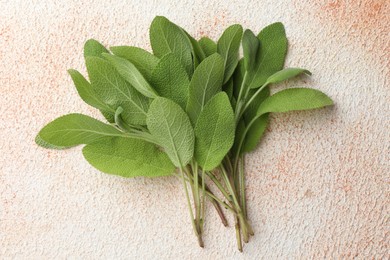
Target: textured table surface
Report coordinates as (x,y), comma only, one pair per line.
(318,184)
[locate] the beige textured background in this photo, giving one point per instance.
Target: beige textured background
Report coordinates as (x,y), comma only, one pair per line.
(318,184)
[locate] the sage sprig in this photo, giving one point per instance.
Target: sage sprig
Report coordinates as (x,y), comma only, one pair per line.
(192,109)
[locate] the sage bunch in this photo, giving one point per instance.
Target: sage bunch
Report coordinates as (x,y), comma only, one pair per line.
(192,109)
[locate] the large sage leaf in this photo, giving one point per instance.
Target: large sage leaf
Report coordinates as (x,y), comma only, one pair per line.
(114,91)
(205,83)
(143,60)
(170,80)
(228,46)
(214,132)
(128,157)
(271,55)
(74,129)
(166,37)
(171,127)
(131,74)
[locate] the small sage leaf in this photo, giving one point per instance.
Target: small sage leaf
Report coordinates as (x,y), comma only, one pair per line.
(292,99)
(208,46)
(228,88)
(286,74)
(250,47)
(198,53)
(254,134)
(228,46)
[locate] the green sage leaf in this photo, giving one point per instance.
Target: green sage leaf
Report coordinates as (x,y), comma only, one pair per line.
(228,88)
(254,133)
(75,129)
(214,132)
(131,74)
(88,95)
(292,99)
(250,47)
(238,77)
(166,37)
(271,55)
(170,80)
(251,111)
(228,46)
(258,128)
(239,136)
(208,46)
(286,74)
(114,91)
(198,53)
(42,143)
(128,157)
(205,83)
(143,60)
(93,48)
(171,127)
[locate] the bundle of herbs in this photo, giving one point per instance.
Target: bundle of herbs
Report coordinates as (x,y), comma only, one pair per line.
(192,109)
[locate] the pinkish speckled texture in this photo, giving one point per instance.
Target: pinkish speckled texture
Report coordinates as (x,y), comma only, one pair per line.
(318,185)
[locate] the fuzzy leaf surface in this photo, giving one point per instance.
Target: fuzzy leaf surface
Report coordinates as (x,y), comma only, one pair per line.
(171,127)
(170,80)
(208,46)
(128,157)
(131,74)
(270,56)
(94,48)
(205,83)
(166,37)
(86,92)
(143,60)
(75,129)
(114,91)
(214,132)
